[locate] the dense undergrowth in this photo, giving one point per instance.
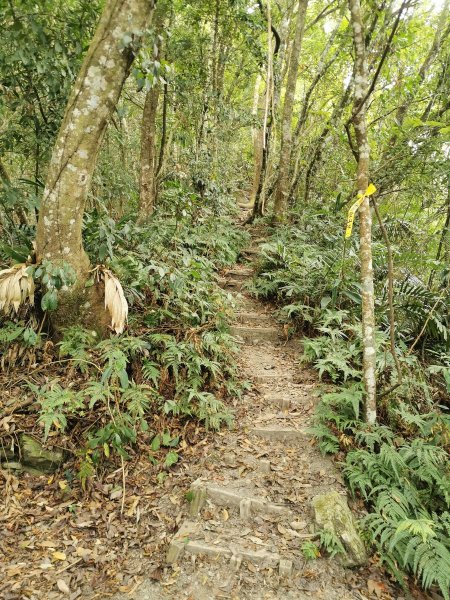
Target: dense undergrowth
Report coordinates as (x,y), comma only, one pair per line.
(99,398)
(399,466)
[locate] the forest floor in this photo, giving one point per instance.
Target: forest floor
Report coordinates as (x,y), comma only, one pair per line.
(256,482)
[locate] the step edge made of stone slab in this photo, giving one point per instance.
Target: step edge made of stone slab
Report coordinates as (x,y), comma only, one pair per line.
(263,558)
(280,433)
(232,498)
(274,330)
(251,316)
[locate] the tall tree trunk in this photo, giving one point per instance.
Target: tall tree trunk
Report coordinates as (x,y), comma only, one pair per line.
(282,188)
(271,95)
(122,129)
(93,98)
(258,141)
(162,146)
(147,193)
(365,216)
(148,170)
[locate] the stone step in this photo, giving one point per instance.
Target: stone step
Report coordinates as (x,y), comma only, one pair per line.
(184,542)
(244,304)
(221,496)
(239,274)
(253,334)
(281,400)
(272,377)
(252,317)
(281,434)
(230,284)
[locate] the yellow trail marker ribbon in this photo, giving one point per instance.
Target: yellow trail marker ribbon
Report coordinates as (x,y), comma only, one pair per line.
(354,207)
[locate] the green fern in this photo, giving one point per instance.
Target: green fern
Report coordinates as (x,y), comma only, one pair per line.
(374,436)
(75,344)
(331,543)
(57,405)
(151,372)
(418,544)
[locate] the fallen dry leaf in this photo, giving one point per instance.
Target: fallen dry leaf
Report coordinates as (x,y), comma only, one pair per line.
(83,552)
(59,556)
(63,587)
(47,544)
(376,587)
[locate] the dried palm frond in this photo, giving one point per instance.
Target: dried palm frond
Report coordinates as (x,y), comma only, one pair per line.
(16,288)
(115,301)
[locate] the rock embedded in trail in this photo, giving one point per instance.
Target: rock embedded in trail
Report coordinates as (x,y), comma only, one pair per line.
(332,513)
(36,456)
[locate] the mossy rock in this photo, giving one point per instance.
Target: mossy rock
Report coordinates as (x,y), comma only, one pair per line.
(333,514)
(34,455)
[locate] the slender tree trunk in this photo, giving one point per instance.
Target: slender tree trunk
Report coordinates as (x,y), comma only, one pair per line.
(122,129)
(258,142)
(282,188)
(93,98)
(147,194)
(271,97)
(149,164)
(365,216)
(162,147)
(266,124)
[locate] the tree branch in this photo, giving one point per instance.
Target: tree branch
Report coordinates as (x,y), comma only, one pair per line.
(275,33)
(386,51)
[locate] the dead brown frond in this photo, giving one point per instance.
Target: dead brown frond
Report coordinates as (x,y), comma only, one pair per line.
(115,301)
(16,288)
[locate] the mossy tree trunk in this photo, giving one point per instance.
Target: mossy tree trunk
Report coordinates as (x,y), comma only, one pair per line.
(365,215)
(93,98)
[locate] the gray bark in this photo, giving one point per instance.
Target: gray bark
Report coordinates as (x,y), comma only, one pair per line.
(365,216)
(282,188)
(92,101)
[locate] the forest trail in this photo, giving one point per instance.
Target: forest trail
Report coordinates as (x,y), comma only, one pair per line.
(250,508)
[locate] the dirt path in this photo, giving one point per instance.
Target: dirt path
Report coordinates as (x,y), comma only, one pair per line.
(250,507)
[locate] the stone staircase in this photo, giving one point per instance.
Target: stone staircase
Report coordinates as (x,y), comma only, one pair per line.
(255,513)
(246,503)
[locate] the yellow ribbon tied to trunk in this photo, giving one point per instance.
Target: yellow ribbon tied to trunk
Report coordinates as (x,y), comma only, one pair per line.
(354,207)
